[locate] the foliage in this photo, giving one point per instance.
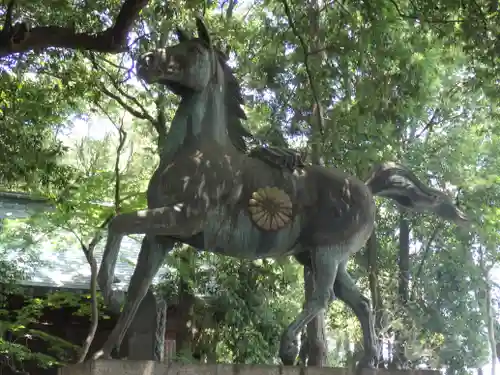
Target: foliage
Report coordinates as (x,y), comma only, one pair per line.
(31,114)
(20,327)
(243,305)
(416,83)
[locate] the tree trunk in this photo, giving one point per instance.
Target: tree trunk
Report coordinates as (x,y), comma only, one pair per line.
(316,335)
(403,289)
(185,304)
(315,341)
(316,347)
(491,324)
(372,255)
(489,315)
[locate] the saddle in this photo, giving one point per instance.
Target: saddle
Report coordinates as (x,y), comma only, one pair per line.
(279,157)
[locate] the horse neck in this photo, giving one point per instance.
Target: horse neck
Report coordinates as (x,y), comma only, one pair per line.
(201,115)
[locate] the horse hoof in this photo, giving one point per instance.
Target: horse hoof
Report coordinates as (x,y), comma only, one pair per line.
(366,363)
(102,354)
(288,353)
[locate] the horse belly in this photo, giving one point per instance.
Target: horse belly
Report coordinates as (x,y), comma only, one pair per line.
(239,237)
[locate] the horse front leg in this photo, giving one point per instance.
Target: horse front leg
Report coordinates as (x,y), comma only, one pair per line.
(346,290)
(181,220)
(151,257)
(325,264)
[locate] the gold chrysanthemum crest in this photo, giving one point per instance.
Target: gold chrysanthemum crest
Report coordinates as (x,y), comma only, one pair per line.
(270,208)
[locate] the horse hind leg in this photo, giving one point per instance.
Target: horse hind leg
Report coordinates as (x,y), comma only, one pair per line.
(347,291)
(325,265)
(151,257)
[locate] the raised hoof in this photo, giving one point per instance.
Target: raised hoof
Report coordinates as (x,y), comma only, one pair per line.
(288,352)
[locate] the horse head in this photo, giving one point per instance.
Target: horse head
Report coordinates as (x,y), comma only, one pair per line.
(186,67)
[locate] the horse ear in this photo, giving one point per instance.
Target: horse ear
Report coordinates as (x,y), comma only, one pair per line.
(203,33)
(182,35)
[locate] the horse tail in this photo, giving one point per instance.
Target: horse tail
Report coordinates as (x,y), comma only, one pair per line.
(394,181)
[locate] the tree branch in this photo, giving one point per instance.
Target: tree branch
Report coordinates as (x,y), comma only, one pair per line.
(429,124)
(134,112)
(122,138)
(161,119)
(426,252)
(89,250)
(417,18)
(111,40)
(141,113)
(306,53)
(94,317)
(143,110)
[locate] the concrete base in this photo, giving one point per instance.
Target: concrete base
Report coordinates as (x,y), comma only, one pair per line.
(122,367)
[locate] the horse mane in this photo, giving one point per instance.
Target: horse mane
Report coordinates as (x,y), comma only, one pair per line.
(277,157)
(237,132)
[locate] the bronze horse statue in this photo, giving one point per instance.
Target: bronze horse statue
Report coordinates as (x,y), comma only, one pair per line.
(211,193)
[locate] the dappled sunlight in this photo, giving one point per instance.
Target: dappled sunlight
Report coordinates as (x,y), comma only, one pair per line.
(152,118)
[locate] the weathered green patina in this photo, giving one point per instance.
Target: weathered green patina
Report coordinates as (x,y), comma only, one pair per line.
(202,189)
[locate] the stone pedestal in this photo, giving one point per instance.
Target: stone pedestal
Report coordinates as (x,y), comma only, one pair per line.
(145,338)
(118,367)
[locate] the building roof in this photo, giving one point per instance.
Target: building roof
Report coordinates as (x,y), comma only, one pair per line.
(67,268)
(20,205)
